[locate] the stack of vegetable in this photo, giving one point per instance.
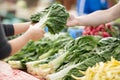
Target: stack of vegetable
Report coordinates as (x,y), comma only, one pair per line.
(102,51)
(34,50)
(78,54)
(104,30)
(70,56)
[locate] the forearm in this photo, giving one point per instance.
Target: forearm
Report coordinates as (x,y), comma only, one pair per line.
(100,17)
(21,41)
(21,27)
(31,34)
(94,18)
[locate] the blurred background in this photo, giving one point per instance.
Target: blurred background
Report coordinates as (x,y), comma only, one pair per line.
(12,11)
(16,11)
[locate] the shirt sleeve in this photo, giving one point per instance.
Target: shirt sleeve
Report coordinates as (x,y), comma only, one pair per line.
(8,29)
(5,48)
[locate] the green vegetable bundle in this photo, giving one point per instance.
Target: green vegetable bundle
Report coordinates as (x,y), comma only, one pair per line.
(105,49)
(37,50)
(71,55)
(54,17)
(60,56)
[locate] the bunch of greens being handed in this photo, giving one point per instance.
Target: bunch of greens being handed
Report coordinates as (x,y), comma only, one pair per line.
(54,17)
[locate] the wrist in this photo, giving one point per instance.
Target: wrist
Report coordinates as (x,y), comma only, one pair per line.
(77,21)
(27,36)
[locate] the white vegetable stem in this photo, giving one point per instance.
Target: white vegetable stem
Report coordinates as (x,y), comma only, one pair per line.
(15,64)
(43,20)
(57,62)
(59,75)
(41,23)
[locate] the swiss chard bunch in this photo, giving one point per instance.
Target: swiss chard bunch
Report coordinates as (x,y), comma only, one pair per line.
(34,50)
(89,60)
(54,17)
(75,51)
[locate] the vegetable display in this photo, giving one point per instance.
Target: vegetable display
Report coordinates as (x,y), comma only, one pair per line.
(59,57)
(69,56)
(63,57)
(54,17)
(106,48)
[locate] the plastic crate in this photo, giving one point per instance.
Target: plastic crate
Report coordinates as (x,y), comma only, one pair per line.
(75,32)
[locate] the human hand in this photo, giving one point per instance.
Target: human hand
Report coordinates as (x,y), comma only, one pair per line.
(72,21)
(35,33)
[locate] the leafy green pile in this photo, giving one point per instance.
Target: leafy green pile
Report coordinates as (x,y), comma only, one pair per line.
(70,55)
(54,17)
(60,56)
(34,50)
(105,49)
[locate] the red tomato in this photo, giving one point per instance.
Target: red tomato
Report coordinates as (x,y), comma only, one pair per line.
(91,28)
(100,27)
(84,33)
(87,28)
(105,34)
(93,31)
(96,33)
(108,25)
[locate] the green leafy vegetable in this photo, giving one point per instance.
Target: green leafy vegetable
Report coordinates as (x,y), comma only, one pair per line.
(41,49)
(106,48)
(70,55)
(54,17)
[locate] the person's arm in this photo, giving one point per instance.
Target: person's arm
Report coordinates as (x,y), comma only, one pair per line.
(11,47)
(96,18)
(33,33)
(18,28)
(8,29)
(21,27)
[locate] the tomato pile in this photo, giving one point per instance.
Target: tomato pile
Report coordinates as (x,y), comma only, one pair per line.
(104,30)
